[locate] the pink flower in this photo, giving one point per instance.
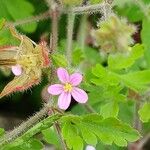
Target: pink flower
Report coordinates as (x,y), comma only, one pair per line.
(68,88)
(17,70)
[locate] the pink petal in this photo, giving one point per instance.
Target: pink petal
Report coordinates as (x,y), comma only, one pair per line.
(63,75)
(17,70)
(89,147)
(55,89)
(75,79)
(64,100)
(79,95)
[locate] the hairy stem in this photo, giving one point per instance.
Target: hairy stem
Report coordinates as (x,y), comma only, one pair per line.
(58,129)
(106,10)
(76,10)
(54,37)
(82,33)
(42,125)
(86,9)
(53,47)
(71,18)
(37,18)
(10,136)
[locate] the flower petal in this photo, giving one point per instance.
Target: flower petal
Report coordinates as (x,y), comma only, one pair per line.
(64,100)
(89,147)
(75,79)
(63,75)
(17,70)
(79,95)
(55,89)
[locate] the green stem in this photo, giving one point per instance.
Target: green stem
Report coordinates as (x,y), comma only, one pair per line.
(71,18)
(89,108)
(82,33)
(137,121)
(42,125)
(10,136)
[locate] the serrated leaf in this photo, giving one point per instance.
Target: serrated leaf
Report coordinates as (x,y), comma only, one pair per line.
(121,61)
(59,60)
(88,136)
(107,130)
(137,80)
(144,112)
(104,76)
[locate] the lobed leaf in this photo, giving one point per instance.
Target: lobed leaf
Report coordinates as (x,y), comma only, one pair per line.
(121,61)
(92,126)
(144,112)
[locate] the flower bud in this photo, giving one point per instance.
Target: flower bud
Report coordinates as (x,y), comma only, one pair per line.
(114,35)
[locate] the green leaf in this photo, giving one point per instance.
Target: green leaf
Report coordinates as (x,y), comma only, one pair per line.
(31,27)
(69,131)
(109,110)
(129,9)
(137,80)
(104,76)
(34,144)
(16,9)
(2,131)
(77,143)
(59,60)
(145,34)
(122,61)
(77,56)
(112,130)
(107,130)
(88,136)
(51,137)
(70,134)
(144,112)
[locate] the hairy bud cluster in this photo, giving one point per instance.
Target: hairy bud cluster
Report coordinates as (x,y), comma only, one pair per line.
(114,35)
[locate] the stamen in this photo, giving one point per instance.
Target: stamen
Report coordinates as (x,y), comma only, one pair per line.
(67,87)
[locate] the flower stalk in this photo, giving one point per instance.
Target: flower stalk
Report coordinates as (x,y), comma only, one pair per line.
(71,19)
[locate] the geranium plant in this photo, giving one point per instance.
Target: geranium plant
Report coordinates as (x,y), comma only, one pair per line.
(88,64)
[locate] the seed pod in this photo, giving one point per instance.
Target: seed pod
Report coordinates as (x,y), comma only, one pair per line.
(30,56)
